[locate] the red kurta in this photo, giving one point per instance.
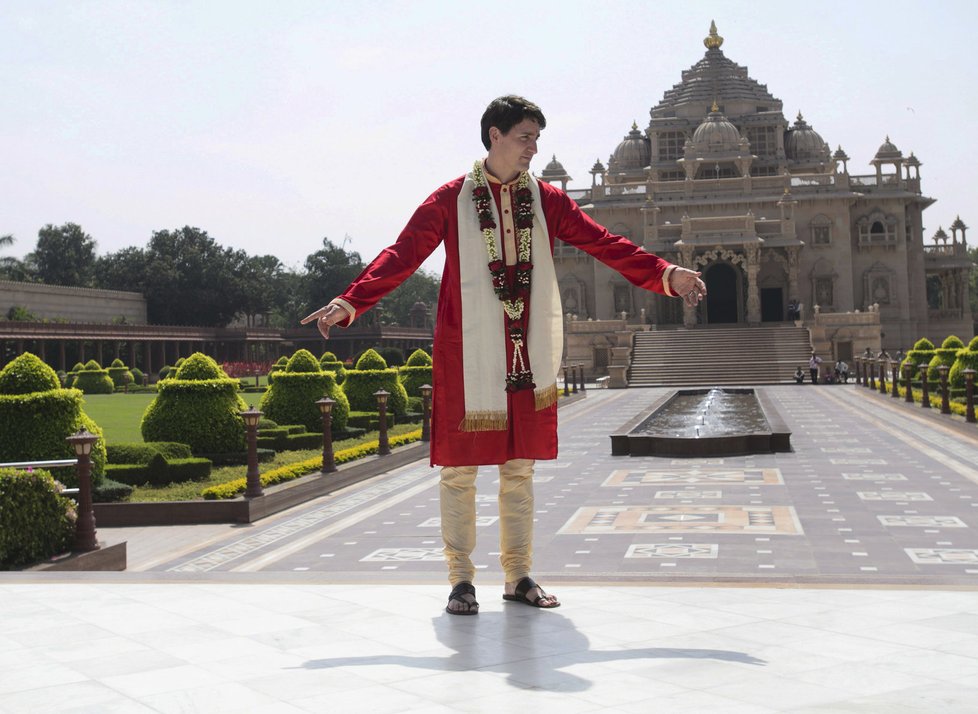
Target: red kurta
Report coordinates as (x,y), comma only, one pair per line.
(531,434)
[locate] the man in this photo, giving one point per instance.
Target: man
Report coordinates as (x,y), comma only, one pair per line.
(813,363)
(498,332)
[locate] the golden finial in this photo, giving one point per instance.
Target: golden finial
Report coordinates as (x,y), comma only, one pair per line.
(634,125)
(714,108)
(714,41)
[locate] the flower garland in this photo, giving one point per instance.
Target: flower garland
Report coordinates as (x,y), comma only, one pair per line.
(513,295)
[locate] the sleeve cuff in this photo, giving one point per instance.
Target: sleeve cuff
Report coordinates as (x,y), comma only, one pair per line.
(665,281)
(346,306)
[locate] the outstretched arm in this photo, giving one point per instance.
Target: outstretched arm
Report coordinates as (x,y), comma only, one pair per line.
(326,317)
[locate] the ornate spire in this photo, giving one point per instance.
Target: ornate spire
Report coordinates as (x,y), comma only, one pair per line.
(714,40)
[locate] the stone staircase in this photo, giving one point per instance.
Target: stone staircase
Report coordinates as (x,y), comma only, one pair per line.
(718,356)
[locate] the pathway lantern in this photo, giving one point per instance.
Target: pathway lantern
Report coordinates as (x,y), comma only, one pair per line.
(895,379)
(251,418)
(924,388)
(882,368)
(945,392)
(425,390)
(859,369)
(908,369)
(969,393)
(581,367)
(566,385)
(85,536)
(384,446)
(871,373)
(326,409)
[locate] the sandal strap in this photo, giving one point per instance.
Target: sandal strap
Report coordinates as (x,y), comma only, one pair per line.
(525,585)
(462,588)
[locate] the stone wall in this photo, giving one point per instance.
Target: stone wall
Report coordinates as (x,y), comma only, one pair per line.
(73,304)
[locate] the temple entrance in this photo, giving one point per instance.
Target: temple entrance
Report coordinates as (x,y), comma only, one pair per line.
(721,294)
(772,305)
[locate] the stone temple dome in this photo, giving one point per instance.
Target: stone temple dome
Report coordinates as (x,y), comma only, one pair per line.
(802,143)
(632,154)
(716,134)
(554,169)
(888,152)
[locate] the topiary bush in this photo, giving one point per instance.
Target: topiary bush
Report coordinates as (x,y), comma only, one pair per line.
(393,356)
(120,374)
(37,415)
(292,395)
(945,354)
(371,359)
(329,363)
(92,364)
(159,471)
(70,377)
(198,406)
(921,354)
(360,386)
(137,376)
(36,521)
(94,381)
(967,358)
(416,373)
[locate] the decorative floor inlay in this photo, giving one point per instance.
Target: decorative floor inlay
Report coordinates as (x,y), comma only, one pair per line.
(846,450)
(479,521)
(404,555)
(943,556)
(684,519)
(923,521)
(694,475)
(673,550)
(857,462)
(873,477)
(893,496)
(694,494)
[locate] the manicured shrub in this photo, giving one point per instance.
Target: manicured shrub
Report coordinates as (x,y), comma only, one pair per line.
(360,386)
(371,359)
(111,492)
(36,521)
(413,378)
(120,374)
(164,372)
(393,356)
(921,354)
(160,471)
(967,358)
(329,363)
(138,377)
(142,452)
(35,424)
(418,358)
(292,395)
(92,364)
(199,407)
(94,381)
(945,354)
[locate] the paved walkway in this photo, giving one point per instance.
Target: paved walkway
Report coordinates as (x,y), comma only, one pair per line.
(840,577)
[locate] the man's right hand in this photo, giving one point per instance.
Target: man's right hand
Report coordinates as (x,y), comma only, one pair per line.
(326,317)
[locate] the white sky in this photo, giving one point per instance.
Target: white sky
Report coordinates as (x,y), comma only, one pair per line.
(272,125)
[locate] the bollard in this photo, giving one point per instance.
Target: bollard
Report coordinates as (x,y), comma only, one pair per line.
(924,388)
(871,371)
(384,447)
(882,368)
(895,379)
(908,377)
(945,392)
(574,379)
(326,409)
(426,412)
(859,370)
(566,385)
(86,538)
(969,394)
(253,476)
(583,388)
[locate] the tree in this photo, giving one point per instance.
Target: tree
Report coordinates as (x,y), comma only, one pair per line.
(420,287)
(190,279)
(328,272)
(64,255)
(12,268)
(263,284)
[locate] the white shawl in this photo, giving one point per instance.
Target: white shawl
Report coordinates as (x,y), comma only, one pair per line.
(483,321)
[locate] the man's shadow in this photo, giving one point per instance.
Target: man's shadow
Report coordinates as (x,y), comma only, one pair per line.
(531,647)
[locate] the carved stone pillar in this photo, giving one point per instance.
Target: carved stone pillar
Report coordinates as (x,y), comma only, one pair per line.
(686,260)
(753,253)
(793,259)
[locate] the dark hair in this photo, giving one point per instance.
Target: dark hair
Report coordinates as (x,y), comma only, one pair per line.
(506,112)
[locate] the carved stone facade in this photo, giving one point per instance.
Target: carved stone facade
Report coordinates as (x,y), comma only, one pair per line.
(721,182)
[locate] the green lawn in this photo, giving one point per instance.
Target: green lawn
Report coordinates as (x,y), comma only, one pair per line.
(119,415)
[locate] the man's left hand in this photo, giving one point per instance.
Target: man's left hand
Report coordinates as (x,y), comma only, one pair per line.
(686,284)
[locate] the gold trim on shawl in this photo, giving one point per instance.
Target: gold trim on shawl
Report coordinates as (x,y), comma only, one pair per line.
(483,421)
(545,397)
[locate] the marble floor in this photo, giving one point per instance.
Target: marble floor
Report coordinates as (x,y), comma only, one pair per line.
(840,577)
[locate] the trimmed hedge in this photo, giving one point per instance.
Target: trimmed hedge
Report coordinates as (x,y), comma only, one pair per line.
(418,358)
(413,378)
(34,425)
(304,468)
(329,363)
(143,452)
(945,354)
(292,395)
(94,381)
(393,356)
(967,358)
(199,406)
(370,421)
(360,386)
(36,521)
(111,492)
(160,471)
(120,374)
(921,354)
(371,359)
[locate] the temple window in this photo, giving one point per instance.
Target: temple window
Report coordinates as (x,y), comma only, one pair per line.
(671,145)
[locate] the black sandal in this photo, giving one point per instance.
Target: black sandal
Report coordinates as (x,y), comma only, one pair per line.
(457,592)
(522,588)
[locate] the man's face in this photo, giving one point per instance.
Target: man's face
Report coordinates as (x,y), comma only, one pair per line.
(512,152)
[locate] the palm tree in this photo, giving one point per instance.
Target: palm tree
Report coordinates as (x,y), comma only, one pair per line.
(11,268)
(6,240)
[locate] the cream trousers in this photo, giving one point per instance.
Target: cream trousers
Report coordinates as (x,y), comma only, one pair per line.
(457,493)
